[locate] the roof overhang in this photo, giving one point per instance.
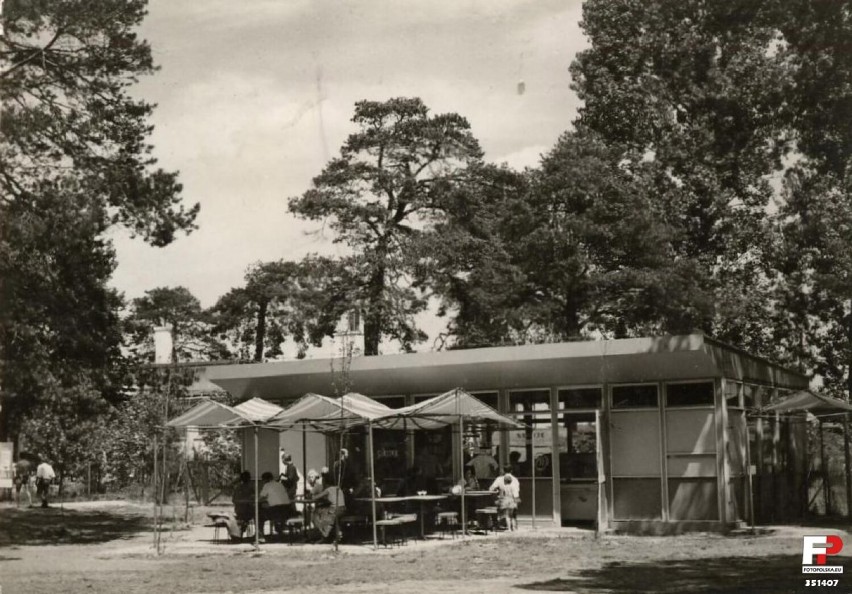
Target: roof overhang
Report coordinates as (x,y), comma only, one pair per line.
(513,367)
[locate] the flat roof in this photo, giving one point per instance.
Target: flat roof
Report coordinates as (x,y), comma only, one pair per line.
(659,358)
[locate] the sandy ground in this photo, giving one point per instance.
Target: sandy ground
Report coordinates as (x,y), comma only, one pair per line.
(108,547)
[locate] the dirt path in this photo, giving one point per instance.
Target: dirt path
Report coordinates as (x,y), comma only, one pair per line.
(108,548)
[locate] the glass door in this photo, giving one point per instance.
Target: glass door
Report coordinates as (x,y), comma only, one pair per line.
(578,453)
(532,446)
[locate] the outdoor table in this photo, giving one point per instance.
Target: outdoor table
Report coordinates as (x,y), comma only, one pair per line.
(308,504)
(422,499)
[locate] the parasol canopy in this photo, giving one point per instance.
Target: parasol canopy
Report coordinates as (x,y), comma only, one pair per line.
(209,414)
(325,414)
(442,410)
(805,400)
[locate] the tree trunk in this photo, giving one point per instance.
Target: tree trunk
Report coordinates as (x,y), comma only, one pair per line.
(375,311)
(571,317)
(260,334)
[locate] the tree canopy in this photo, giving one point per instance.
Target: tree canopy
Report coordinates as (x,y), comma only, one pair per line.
(381,196)
(744,108)
(301,300)
(74,162)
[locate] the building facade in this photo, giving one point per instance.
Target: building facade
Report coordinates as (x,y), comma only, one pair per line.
(645,434)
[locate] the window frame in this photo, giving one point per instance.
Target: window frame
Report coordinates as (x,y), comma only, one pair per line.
(613,387)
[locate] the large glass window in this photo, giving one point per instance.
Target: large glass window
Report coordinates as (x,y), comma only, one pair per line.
(529,401)
(642,396)
(534,443)
(577,447)
(689,394)
(579,398)
(489,398)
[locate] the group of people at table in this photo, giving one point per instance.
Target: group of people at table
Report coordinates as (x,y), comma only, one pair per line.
(324,502)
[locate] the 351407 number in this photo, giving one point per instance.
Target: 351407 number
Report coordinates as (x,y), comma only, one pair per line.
(821,582)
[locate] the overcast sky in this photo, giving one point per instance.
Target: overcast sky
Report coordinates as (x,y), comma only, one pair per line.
(254,97)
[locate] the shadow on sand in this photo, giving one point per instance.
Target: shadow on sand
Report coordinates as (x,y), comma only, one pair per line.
(37,526)
(776,574)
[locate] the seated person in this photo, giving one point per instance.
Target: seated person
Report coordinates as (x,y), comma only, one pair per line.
(329,507)
(244,501)
(274,503)
(364,508)
(313,487)
(469,482)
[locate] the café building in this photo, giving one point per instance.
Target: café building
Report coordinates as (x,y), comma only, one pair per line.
(641,434)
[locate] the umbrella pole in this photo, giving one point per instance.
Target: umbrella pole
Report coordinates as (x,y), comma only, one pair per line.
(826,486)
(373,487)
(153,492)
(532,467)
(463,482)
(257,526)
(304,467)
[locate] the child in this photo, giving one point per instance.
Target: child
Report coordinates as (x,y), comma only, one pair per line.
(508,491)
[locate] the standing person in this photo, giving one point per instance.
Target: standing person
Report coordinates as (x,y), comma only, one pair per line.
(347,471)
(289,476)
(515,462)
(22,469)
(31,486)
(44,476)
(244,501)
(484,466)
(508,490)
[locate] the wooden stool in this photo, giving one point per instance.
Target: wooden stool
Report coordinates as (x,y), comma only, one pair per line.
(490,516)
(447,522)
(390,526)
(293,526)
(217,525)
(409,524)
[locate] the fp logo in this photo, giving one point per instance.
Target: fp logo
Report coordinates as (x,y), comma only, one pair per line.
(820,547)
